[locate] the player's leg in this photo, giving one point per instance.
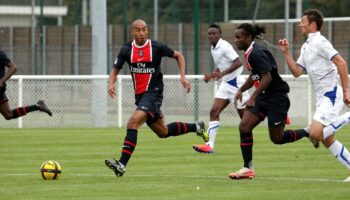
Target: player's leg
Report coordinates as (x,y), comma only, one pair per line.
(334,110)
(157,124)
(214,124)
(339,151)
(8,114)
(278,107)
(250,120)
(130,141)
(335,126)
(278,135)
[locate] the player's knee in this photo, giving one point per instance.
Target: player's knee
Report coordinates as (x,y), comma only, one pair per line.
(7,116)
(214,113)
(276,140)
(244,128)
(316,136)
(162,136)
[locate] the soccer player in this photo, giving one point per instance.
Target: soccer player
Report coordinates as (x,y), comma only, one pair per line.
(143,56)
(228,69)
(323,64)
(5,110)
(269,99)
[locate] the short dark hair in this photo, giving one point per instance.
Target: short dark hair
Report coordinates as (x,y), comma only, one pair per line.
(215,26)
(253,30)
(314,15)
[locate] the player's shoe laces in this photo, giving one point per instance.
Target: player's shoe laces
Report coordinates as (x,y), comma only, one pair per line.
(203,148)
(201,130)
(116,166)
(243,173)
(43,107)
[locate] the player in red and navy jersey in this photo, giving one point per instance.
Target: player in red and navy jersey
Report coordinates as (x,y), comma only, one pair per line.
(5,110)
(270,98)
(144,57)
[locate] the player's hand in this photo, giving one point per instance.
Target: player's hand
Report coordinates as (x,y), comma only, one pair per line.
(238,97)
(111,90)
(283,45)
(207,77)
(217,76)
(250,103)
(186,84)
(346,98)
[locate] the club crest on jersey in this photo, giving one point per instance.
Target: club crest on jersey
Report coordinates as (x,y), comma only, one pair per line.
(141,53)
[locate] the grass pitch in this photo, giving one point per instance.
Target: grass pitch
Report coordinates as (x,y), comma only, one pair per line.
(165,168)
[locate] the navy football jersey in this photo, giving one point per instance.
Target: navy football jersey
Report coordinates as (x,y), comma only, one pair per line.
(259,60)
(144,63)
(4,60)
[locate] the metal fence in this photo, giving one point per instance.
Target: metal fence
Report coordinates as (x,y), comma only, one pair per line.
(82,102)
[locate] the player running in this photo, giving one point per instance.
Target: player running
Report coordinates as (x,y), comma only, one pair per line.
(228,68)
(270,98)
(5,110)
(323,64)
(144,57)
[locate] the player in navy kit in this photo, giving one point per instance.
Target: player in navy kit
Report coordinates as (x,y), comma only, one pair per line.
(270,98)
(144,57)
(5,110)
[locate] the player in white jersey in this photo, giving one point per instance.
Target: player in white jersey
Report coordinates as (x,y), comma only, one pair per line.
(322,63)
(228,68)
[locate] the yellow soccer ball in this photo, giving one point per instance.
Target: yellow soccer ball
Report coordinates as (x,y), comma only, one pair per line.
(50,170)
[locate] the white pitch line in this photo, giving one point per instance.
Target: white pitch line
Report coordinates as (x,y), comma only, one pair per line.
(194,176)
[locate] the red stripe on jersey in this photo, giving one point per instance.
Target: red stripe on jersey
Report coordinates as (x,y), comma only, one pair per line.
(249,68)
(141,54)
(141,82)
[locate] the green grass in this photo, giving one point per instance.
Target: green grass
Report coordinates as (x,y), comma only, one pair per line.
(165,168)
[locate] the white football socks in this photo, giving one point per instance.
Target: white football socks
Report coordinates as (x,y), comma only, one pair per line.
(335,126)
(341,153)
(212,131)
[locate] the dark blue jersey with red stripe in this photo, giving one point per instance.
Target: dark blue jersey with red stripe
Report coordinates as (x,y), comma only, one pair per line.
(144,63)
(259,60)
(4,61)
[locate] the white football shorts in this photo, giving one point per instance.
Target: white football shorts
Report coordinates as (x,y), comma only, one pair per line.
(326,111)
(227,91)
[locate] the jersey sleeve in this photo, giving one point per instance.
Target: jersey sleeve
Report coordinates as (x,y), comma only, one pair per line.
(230,53)
(326,49)
(165,50)
(121,58)
(4,60)
(300,61)
(260,61)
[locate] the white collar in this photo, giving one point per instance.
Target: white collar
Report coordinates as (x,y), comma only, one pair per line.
(217,44)
(134,44)
(314,34)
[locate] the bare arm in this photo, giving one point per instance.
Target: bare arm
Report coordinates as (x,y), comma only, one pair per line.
(343,73)
(181,63)
(236,64)
(113,75)
(246,85)
(292,65)
(263,84)
(10,71)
